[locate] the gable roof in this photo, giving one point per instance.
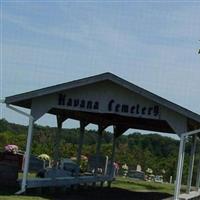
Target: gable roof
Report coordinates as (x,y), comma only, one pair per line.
(28,96)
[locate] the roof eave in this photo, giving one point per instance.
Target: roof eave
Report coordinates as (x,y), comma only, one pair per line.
(97,78)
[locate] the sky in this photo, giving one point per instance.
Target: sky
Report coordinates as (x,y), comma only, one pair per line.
(153,44)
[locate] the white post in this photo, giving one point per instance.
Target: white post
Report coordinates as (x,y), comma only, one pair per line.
(191,166)
(27,155)
(198,175)
(106,166)
(182,161)
(28,148)
(179,168)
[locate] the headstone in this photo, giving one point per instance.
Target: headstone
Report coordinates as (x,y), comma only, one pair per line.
(35,164)
(70,166)
(101,164)
(9,167)
(138,168)
(170,180)
(8,174)
(136,174)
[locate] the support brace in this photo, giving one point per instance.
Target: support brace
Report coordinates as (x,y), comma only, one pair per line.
(28,148)
(198,173)
(27,154)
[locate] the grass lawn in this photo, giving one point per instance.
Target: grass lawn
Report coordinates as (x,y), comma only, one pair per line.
(21,198)
(8,194)
(122,183)
(136,185)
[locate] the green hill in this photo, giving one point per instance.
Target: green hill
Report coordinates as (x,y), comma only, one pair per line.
(149,150)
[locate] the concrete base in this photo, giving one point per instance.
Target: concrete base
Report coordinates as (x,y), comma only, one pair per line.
(191,196)
(65,181)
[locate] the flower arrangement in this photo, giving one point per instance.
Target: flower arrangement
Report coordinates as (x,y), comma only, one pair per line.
(125,169)
(83,162)
(116,166)
(150,176)
(11,148)
(44,157)
(125,166)
(149,171)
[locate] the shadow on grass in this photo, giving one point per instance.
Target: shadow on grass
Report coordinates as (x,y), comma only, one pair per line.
(90,194)
(5,190)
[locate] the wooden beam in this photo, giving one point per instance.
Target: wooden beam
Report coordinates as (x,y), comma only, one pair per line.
(56,153)
(101,128)
(83,124)
(119,130)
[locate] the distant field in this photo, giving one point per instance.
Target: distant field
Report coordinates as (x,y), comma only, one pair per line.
(123,186)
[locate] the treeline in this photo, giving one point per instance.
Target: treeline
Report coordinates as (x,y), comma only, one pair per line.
(150,150)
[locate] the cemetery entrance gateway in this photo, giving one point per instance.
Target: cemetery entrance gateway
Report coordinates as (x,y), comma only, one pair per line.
(106,100)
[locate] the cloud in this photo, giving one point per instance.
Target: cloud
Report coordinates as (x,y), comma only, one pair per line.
(183,25)
(87,33)
(147,46)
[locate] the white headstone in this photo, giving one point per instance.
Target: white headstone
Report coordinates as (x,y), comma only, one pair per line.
(139,168)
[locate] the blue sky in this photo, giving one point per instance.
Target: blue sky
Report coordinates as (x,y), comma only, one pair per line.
(152,44)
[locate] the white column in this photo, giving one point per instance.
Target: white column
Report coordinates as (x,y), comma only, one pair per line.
(191,166)
(106,166)
(179,168)
(198,176)
(27,155)
(28,148)
(198,173)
